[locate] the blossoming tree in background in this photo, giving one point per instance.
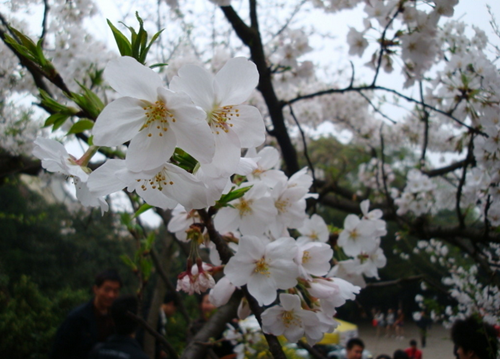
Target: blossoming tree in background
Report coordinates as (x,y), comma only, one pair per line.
(197,127)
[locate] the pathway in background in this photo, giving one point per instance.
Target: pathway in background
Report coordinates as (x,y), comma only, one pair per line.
(439,344)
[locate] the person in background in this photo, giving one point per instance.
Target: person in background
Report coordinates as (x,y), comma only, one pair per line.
(354,348)
(399,324)
(89,323)
(121,345)
(390,319)
(423,325)
(474,339)
(413,352)
(168,309)
(383,356)
(399,354)
(380,318)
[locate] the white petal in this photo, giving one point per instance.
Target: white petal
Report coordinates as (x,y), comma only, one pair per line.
(197,83)
(118,122)
(249,126)
(130,78)
(289,301)
(148,152)
(262,288)
(235,81)
(103,181)
(239,271)
(221,292)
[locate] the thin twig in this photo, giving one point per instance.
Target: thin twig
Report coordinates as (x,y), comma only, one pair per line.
(166,345)
(304,143)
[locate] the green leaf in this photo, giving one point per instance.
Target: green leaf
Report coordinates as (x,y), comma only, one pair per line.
(231,196)
(81,126)
(184,160)
(58,118)
(88,101)
(128,262)
(122,42)
(158,65)
(142,209)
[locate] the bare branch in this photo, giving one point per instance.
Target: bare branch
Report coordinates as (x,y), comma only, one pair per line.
(166,345)
(304,143)
(382,88)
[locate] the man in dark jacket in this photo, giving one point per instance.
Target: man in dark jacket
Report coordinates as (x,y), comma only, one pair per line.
(89,323)
(122,345)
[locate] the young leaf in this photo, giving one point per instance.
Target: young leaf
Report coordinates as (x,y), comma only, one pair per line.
(81,126)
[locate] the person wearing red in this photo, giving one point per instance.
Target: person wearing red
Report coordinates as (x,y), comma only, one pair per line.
(413,352)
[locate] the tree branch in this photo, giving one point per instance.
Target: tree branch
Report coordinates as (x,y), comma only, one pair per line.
(171,351)
(213,328)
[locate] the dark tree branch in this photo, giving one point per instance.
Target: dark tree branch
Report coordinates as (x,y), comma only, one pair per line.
(389,283)
(166,345)
(222,247)
(381,88)
(460,215)
(38,78)
(304,143)
(251,38)
(375,108)
(426,125)
(46,9)
(254,21)
(447,169)
(213,328)
(168,284)
(315,354)
(272,341)
(383,45)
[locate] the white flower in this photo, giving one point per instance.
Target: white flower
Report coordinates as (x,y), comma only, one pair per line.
(153,118)
(290,204)
(163,187)
(234,126)
(370,262)
(290,320)
(313,258)
(314,229)
(181,221)
(357,42)
(266,160)
(197,280)
(264,267)
(357,236)
(251,214)
(333,292)
(55,158)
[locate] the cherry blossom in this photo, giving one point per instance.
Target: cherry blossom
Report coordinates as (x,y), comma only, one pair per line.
(153,118)
(291,321)
(234,126)
(263,266)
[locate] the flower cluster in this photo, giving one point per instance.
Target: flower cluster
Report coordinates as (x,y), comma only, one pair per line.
(271,263)
(360,240)
(418,195)
(201,117)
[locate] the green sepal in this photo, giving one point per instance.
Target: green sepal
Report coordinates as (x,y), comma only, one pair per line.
(56,120)
(122,42)
(128,262)
(231,196)
(88,101)
(184,160)
(145,207)
(80,126)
